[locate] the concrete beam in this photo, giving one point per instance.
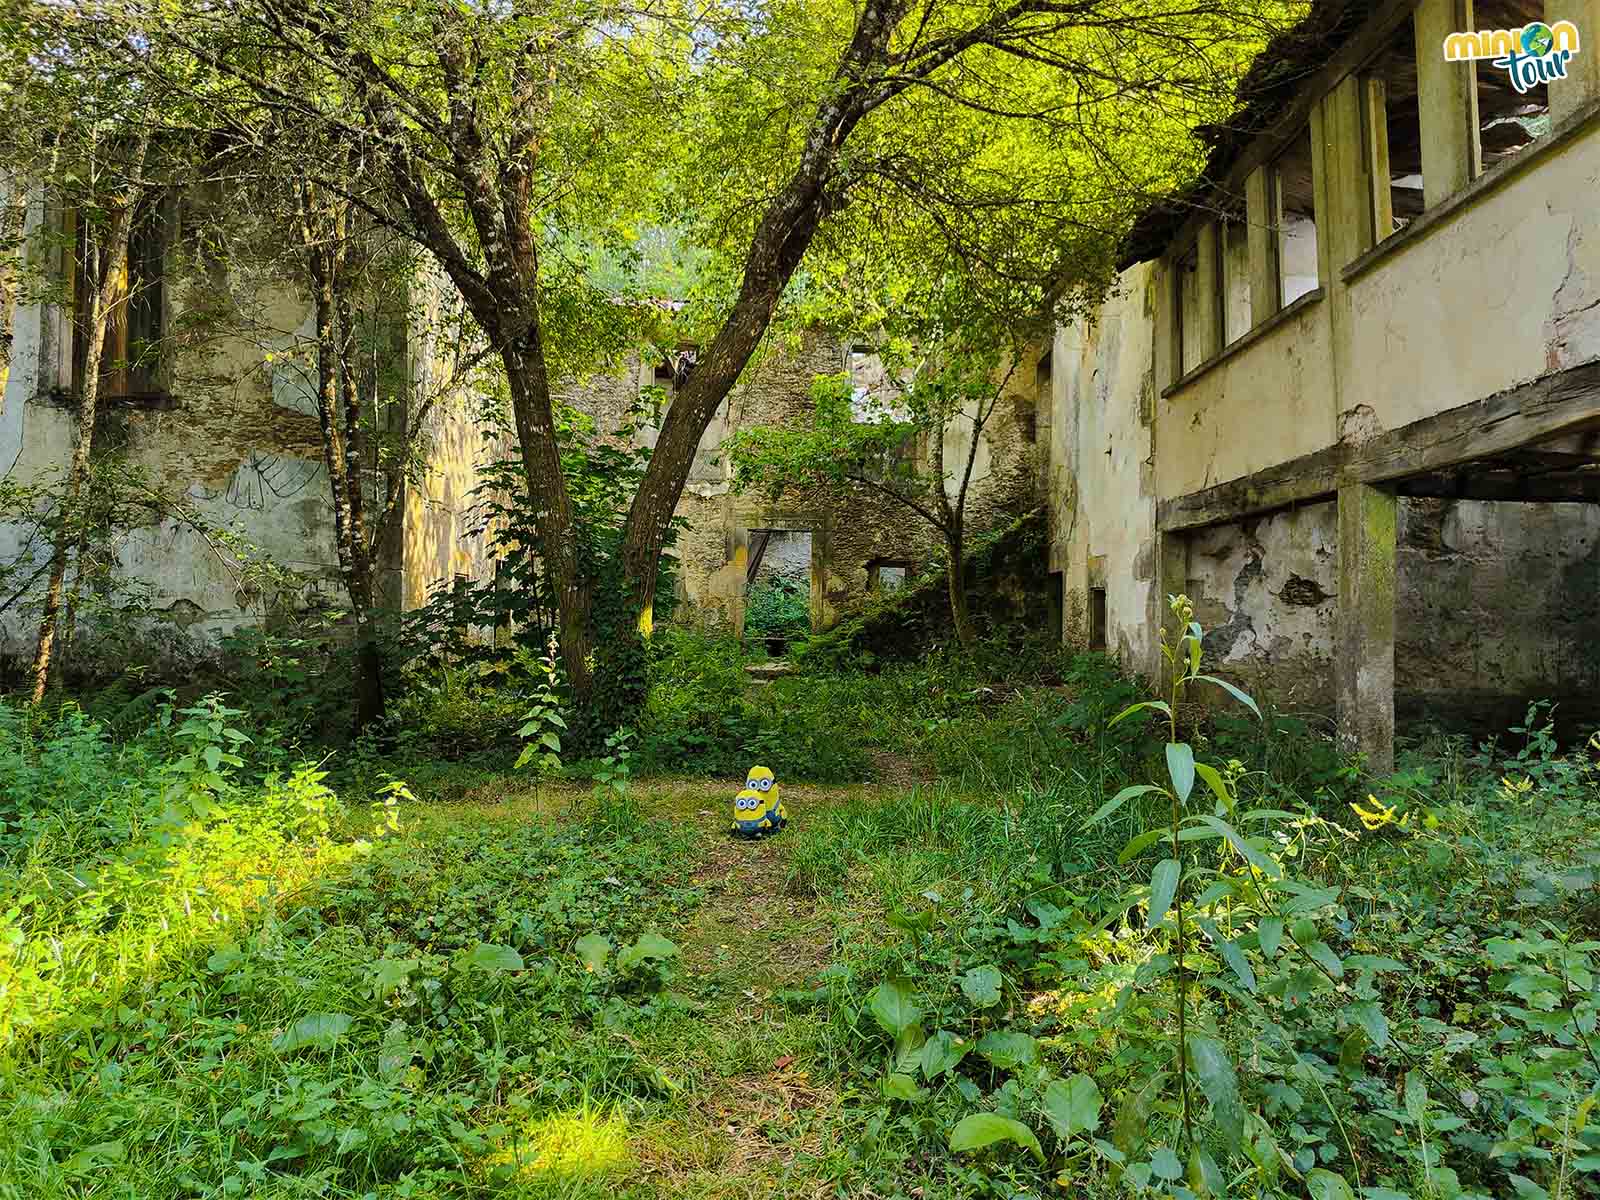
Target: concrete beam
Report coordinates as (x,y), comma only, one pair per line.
(1447,99)
(1582,84)
(1529,414)
(1365,632)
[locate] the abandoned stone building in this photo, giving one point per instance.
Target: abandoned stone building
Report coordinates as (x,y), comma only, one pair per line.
(228,423)
(1346,394)
(227,426)
(844,547)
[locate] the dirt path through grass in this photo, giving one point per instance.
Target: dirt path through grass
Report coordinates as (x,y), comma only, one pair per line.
(750,1121)
(754,1121)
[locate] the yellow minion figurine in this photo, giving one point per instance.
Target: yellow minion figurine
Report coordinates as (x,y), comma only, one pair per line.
(758,809)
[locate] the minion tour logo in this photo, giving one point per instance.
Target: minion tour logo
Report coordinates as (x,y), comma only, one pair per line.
(1532,55)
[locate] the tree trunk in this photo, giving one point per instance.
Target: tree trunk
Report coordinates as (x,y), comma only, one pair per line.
(561,558)
(104,264)
(955,578)
(781,240)
(371,705)
(339,420)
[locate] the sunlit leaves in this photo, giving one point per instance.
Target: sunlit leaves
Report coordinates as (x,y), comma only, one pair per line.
(1072,1106)
(1214,1071)
(1180,768)
(1121,798)
(978,1130)
(319,1031)
(982,986)
(1008,1049)
(1163,887)
(489,957)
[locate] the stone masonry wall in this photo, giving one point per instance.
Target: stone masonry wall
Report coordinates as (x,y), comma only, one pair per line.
(848,533)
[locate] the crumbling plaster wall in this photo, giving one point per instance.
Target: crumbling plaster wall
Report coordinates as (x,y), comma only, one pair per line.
(848,531)
(1007,456)
(240,446)
(1266,592)
(1494,599)
(1403,338)
(443,534)
(1101,479)
(1496,605)
(1523,260)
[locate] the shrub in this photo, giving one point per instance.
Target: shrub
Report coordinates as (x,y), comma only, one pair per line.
(778,607)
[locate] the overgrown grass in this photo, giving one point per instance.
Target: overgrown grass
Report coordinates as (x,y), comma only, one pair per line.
(220,978)
(992,949)
(210,986)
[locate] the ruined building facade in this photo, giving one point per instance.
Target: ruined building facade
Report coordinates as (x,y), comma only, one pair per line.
(218,408)
(223,416)
(842,548)
(1346,395)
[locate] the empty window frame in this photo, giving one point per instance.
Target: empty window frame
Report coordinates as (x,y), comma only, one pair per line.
(1394,124)
(1295,220)
(1514,109)
(884,575)
(130,360)
(866,384)
(1097,619)
(1055,602)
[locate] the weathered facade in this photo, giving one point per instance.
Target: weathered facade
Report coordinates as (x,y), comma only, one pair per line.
(1347,394)
(856,544)
(225,421)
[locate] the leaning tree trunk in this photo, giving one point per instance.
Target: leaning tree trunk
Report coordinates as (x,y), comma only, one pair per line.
(104,265)
(781,240)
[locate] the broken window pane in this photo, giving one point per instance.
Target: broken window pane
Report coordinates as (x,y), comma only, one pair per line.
(1296,205)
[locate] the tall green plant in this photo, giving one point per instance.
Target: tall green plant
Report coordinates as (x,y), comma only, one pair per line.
(543,723)
(1169,883)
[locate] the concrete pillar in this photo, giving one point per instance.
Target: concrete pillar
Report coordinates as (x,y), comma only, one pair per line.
(1208,288)
(1447,100)
(1261,222)
(1582,84)
(1364,638)
(1164,301)
(1346,222)
(1375,131)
